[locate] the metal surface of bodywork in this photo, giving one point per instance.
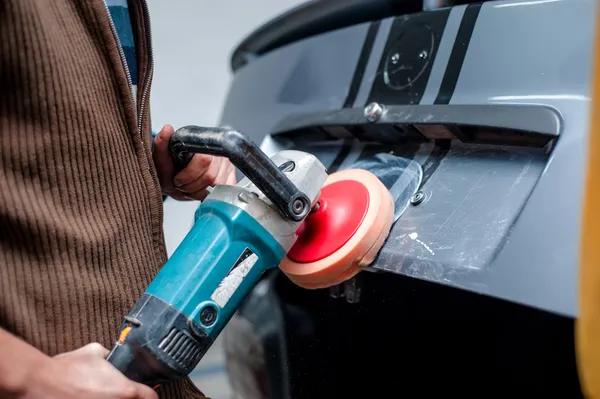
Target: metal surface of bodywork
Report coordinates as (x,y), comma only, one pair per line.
(471,202)
(501,220)
(289,81)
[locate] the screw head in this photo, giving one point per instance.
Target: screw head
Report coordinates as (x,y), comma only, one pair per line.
(298,206)
(417,198)
(373,112)
(423,55)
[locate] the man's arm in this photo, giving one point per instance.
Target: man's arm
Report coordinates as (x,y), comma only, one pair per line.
(17,360)
(27,373)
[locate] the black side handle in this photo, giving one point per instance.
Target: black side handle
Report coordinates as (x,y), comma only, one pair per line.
(181,159)
(248,158)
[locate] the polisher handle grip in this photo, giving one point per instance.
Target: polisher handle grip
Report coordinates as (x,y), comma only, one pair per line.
(248,158)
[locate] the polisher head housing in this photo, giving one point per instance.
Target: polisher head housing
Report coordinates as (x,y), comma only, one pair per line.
(344,233)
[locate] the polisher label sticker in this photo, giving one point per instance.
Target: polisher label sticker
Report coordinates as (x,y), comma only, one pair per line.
(234,278)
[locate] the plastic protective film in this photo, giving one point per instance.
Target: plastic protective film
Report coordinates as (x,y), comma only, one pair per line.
(401,176)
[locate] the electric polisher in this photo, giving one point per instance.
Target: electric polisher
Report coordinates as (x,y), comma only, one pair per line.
(287,212)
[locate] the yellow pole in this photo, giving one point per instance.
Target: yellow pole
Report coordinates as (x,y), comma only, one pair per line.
(588,324)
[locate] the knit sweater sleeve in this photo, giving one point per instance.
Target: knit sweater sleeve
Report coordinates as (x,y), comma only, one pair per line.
(80,205)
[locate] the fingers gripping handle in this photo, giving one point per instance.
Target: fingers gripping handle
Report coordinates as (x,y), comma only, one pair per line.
(181,158)
(248,158)
(124,359)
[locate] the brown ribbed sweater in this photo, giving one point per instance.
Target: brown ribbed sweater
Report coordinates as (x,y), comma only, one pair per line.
(80,203)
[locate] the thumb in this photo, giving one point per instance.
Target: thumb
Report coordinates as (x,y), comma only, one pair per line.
(162,158)
(94,349)
(144,392)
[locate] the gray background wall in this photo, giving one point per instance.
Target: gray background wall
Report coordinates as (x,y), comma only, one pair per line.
(192,43)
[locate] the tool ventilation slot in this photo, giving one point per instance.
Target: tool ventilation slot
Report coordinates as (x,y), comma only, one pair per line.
(181,347)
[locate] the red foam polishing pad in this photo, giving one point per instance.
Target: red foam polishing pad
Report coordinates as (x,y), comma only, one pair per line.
(352,219)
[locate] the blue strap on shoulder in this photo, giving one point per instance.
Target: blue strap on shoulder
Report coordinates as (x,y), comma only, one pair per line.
(154,133)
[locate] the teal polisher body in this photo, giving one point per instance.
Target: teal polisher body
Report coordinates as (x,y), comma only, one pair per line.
(239,233)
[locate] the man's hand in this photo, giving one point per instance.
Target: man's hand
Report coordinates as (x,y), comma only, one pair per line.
(27,373)
(203,170)
(83,374)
